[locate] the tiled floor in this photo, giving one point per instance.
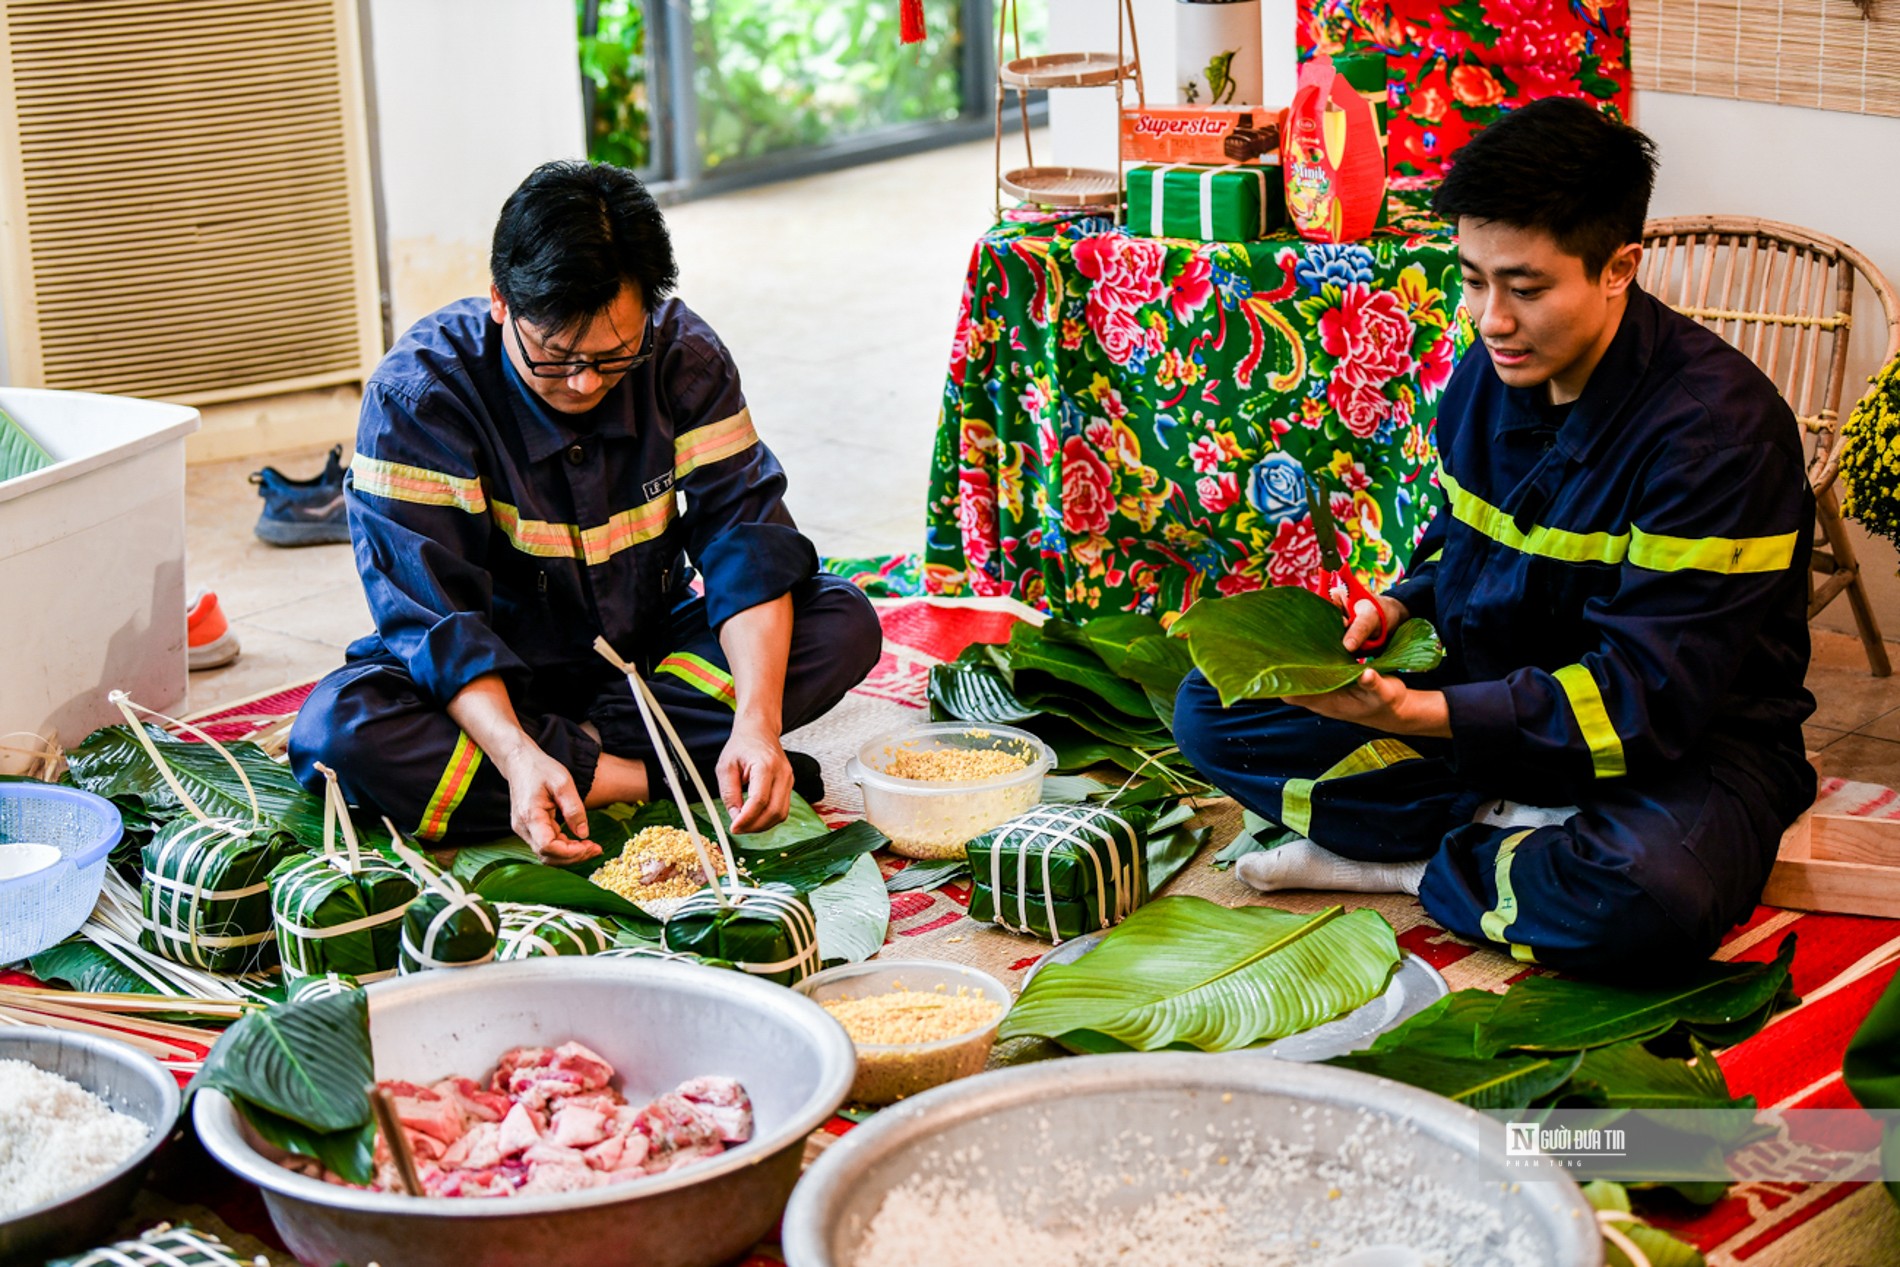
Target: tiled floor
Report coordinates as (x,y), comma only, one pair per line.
(837,296)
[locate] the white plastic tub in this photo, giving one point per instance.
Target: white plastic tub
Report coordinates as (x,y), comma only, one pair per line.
(92,561)
(932,819)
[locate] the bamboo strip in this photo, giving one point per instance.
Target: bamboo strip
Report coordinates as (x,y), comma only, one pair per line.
(150,1046)
(1787,52)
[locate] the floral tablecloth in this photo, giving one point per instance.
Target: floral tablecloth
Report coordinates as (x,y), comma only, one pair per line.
(1127,421)
(1455,67)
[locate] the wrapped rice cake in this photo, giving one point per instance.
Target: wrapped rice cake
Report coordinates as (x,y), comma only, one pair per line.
(331,917)
(768,931)
(448,927)
(205,896)
(1058,871)
(529,931)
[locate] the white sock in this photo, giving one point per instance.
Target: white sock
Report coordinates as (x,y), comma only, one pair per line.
(1301,864)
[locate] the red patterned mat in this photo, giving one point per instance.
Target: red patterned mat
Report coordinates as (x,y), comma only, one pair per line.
(1841,965)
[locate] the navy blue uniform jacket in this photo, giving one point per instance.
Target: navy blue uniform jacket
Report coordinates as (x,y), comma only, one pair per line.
(1628,588)
(496,535)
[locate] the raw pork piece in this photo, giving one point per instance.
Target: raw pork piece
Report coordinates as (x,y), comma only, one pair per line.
(723,1100)
(576,1126)
(474,1103)
(681,1132)
(519,1130)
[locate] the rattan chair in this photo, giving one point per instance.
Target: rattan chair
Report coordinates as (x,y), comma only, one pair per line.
(1784,296)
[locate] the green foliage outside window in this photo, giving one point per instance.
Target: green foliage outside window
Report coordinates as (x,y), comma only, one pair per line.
(614,59)
(778,75)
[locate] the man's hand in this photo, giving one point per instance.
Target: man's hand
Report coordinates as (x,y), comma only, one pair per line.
(755,779)
(1382,703)
(541,793)
(1364,620)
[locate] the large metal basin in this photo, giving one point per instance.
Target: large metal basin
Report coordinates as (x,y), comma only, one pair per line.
(658,1024)
(1115,1133)
(126,1079)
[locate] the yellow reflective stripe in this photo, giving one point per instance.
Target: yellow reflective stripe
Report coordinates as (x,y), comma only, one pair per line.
(1726,555)
(1433,557)
(393,481)
(452,787)
(537,536)
(702,446)
(1550,543)
(1495,921)
(702,675)
(592,546)
(1586,704)
(628,528)
(1296,795)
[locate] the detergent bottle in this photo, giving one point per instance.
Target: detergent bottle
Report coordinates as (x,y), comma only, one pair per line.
(1332,155)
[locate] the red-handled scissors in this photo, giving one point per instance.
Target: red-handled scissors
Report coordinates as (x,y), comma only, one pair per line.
(1343,585)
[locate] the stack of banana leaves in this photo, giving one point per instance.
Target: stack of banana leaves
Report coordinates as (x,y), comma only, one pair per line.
(1098,693)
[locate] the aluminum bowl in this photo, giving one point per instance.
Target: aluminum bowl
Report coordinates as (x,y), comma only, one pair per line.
(126,1079)
(1121,1131)
(657,1024)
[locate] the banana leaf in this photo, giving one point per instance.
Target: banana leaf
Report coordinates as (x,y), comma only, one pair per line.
(811,863)
(1553,1014)
(474,862)
(1658,1248)
(1871,1070)
(974,692)
(1189,973)
(1255,834)
(853,913)
(1514,1082)
(924,876)
(81,965)
(309,1062)
(1446,1027)
(1286,641)
(536,884)
(1628,1076)
(1031,649)
(20,453)
(801,824)
(110,763)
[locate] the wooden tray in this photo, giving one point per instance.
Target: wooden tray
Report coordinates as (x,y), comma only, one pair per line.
(1063,186)
(1065,70)
(1834,862)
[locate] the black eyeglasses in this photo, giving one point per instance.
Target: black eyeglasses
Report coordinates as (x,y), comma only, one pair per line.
(605,366)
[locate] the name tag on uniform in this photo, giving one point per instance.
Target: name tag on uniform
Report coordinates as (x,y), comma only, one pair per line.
(657,485)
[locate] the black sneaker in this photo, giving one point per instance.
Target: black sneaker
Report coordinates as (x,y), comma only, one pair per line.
(303,512)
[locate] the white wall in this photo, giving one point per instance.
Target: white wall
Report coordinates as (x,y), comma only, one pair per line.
(471,95)
(1818,168)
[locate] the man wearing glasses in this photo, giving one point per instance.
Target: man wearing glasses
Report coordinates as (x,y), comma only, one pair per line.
(533,471)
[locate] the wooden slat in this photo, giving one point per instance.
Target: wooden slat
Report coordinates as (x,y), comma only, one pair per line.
(1833,863)
(202,229)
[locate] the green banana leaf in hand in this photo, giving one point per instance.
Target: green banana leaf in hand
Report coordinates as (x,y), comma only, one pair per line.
(1286,641)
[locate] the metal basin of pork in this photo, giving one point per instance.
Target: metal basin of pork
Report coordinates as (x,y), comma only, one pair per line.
(1128,1130)
(657,1024)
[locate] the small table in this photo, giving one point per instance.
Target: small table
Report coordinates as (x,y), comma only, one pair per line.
(1127,420)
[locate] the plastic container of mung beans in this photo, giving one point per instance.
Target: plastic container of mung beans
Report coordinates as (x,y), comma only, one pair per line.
(931,818)
(888,1072)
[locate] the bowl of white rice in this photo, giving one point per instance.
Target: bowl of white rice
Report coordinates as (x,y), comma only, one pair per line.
(80,1119)
(1172,1159)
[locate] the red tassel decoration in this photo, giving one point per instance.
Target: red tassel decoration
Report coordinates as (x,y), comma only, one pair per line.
(911,21)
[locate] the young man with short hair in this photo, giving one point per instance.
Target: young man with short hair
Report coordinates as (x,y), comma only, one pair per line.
(532,471)
(1619,576)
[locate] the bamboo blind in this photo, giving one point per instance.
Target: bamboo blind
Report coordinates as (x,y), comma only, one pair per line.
(1819,53)
(185,190)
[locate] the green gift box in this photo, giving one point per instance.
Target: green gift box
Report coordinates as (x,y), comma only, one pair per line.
(337,915)
(205,896)
(1240,203)
(1059,871)
(769,931)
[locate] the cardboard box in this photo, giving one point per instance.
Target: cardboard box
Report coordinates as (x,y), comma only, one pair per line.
(1199,134)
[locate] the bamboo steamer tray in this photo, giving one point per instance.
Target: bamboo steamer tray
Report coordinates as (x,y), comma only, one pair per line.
(1063,186)
(1065,70)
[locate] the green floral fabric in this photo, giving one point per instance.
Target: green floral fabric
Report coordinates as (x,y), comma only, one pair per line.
(1128,422)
